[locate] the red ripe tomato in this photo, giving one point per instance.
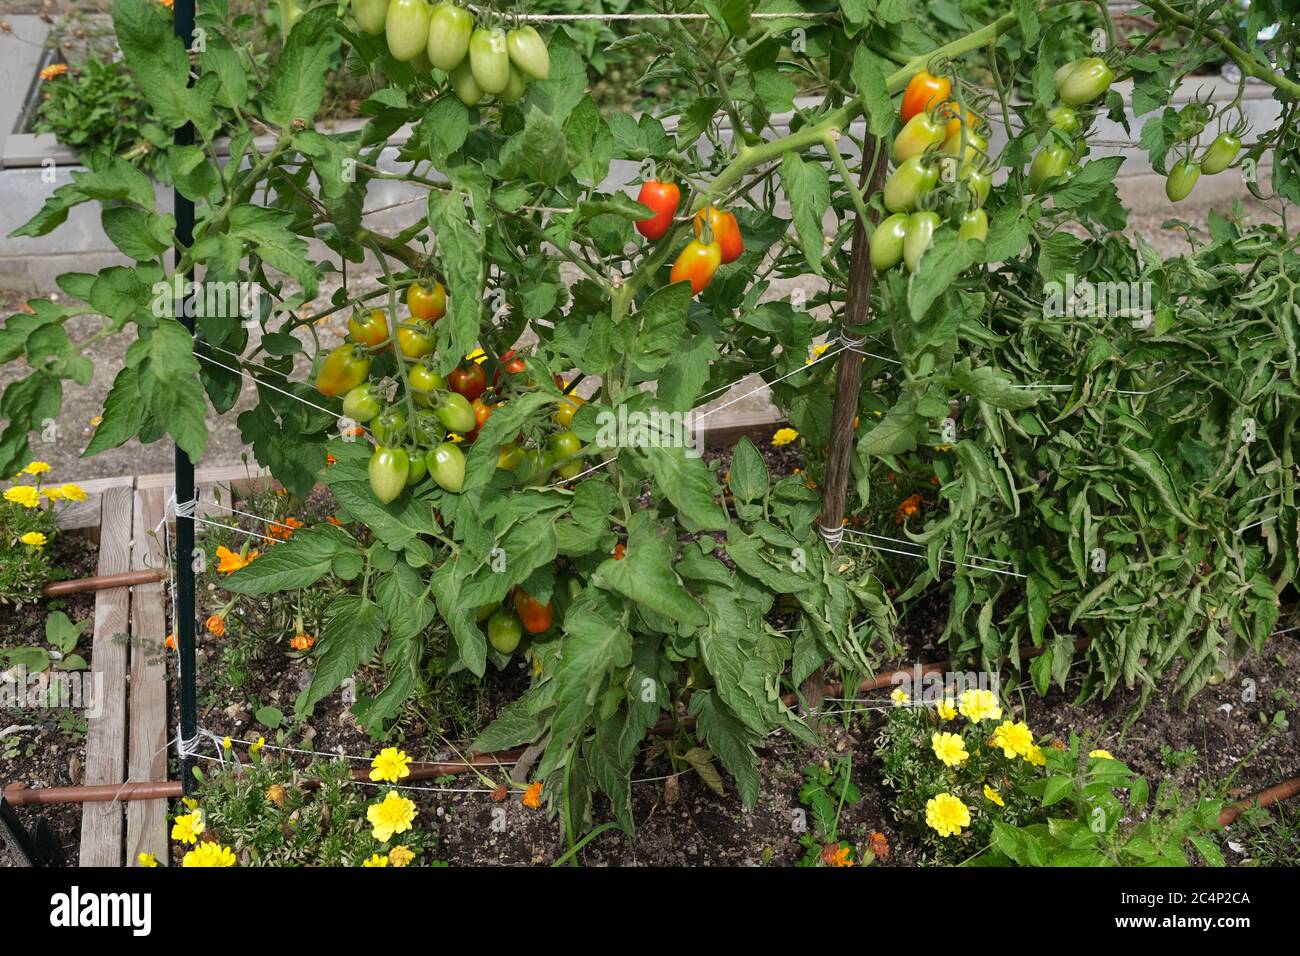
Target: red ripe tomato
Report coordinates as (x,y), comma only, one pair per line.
(726,232)
(925,91)
(468,380)
(662,199)
(481,412)
(511,363)
(535,616)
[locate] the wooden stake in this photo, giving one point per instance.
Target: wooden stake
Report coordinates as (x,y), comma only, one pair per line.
(848,380)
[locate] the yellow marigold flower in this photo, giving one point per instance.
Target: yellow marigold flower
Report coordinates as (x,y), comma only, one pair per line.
(52,494)
(946,814)
(393,814)
(1036,756)
(400,856)
(186,829)
(1101,754)
(72,492)
(276,794)
(390,765)
(226,743)
(190,803)
(24,495)
(53,71)
(900,697)
(146,859)
(784,436)
(376,860)
(949,748)
(977,705)
(35,539)
(209,854)
(1015,739)
(36,468)
(991,794)
(946,708)
(256,749)
(533,795)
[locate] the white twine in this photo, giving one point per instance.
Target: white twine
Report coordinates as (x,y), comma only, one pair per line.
(580,17)
(914,554)
(257,381)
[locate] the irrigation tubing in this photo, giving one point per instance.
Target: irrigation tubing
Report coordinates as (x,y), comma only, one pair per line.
(100,582)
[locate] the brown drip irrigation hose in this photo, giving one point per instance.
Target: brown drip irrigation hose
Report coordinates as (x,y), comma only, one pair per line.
(100,582)
(18,795)
(1265,798)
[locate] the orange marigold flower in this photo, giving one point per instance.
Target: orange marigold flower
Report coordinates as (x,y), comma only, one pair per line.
(330,459)
(879,845)
(167,3)
(533,795)
(228,562)
(283,530)
(334,521)
(54,70)
(302,642)
(835,855)
(216,624)
(169,642)
(907,508)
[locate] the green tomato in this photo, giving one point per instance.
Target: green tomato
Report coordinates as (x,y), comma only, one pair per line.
(509,456)
(528,52)
(370,15)
(361,404)
(418,471)
(1050,163)
(389,468)
(1083,81)
(978,182)
(389,426)
(447,467)
(920,232)
(564,446)
(423,382)
(1219,155)
(1181,179)
(515,89)
(1064,119)
(887,242)
(909,182)
(489,60)
(407,28)
(922,132)
(974,225)
(449,29)
(504,631)
(465,86)
(456,413)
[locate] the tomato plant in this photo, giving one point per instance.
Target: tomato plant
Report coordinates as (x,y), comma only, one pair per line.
(1083,467)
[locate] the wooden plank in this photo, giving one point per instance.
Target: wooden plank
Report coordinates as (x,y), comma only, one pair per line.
(80,515)
(101,823)
(146,820)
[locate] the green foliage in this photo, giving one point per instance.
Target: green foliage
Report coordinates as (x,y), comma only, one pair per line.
(267,817)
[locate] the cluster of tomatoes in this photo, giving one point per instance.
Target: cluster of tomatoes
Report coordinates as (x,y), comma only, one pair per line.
(447,410)
(505,627)
(936,133)
(717,241)
(479,61)
(1218,156)
(1078,83)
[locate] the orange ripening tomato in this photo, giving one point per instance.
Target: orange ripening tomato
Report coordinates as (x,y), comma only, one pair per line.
(535,616)
(697,264)
(953,127)
(662,200)
(368,328)
(924,91)
(343,370)
(426,305)
(726,231)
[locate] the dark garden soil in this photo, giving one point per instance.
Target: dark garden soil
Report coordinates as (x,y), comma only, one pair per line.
(41,747)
